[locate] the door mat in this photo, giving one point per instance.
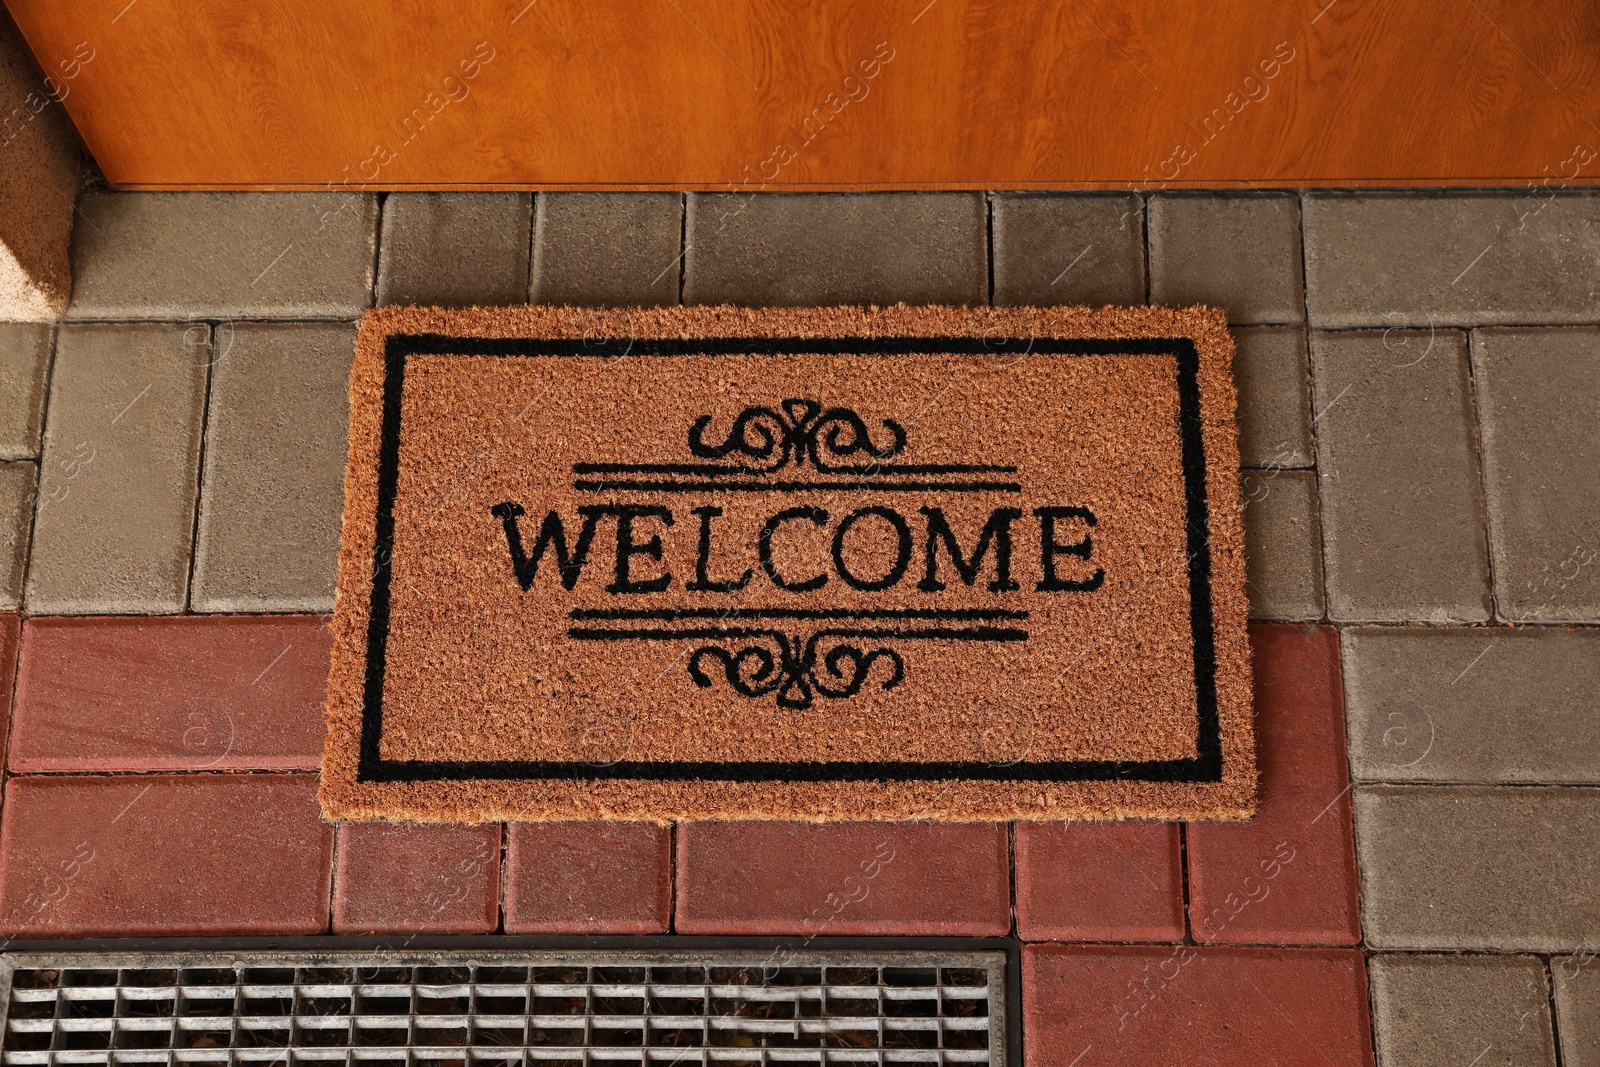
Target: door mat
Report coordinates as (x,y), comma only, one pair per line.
(820,563)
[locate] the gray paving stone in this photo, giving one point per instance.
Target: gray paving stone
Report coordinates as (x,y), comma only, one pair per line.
(1402,506)
(1471,704)
(1475,867)
(1282,545)
(1271,372)
(273,486)
(1453,259)
(1074,248)
(454,249)
(24,365)
(115,517)
(1451,1011)
(1238,252)
(860,248)
(223,255)
(608,249)
(17,481)
(1539,412)
(1576,980)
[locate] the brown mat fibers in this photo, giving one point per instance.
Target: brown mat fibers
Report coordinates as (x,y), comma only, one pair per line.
(820,563)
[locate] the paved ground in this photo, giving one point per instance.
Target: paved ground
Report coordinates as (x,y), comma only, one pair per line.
(1420,402)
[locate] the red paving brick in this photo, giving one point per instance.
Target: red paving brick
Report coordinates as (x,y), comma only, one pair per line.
(588,877)
(416,878)
(1289,876)
(199,692)
(10,632)
(163,854)
(1099,882)
(843,878)
(1095,1006)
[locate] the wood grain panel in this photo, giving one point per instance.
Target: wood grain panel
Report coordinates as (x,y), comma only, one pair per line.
(825,93)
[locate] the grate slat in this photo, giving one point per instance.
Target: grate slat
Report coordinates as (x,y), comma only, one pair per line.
(544,1008)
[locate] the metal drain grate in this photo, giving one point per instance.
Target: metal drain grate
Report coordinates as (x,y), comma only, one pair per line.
(545,1008)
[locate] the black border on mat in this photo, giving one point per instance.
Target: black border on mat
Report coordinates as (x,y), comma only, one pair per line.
(1204,766)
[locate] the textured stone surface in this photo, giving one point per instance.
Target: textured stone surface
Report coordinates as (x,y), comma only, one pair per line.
(273,487)
(17,481)
(1408,259)
(1240,253)
(608,249)
(115,517)
(1447,1011)
(10,636)
(223,255)
(131,856)
(1479,868)
(866,248)
(39,176)
(1271,372)
(1068,249)
(588,878)
(1473,705)
(1402,505)
(1539,407)
(1576,980)
(407,878)
(24,368)
(1282,545)
(843,878)
(167,694)
(1105,1006)
(1289,875)
(1095,881)
(454,249)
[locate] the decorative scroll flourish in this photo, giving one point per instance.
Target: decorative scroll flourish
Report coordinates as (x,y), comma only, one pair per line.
(796,670)
(803,431)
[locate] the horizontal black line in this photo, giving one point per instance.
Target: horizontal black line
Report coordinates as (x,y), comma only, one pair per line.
(933,633)
(670,614)
(1178,770)
(613,348)
(866,470)
(621,485)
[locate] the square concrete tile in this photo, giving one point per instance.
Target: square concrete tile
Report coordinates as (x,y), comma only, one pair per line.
(1449,1011)
(1402,505)
(17,498)
(273,488)
(858,248)
(1577,987)
(1473,704)
(1069,248)
(455,249)
(1452,259)
(115,518)
(1473,867)
(223,255)
(24,367)
(1282,545)
(608,249)
(609,877)
(416,878)
(1273,376)
(1238,252)
(1539,408)
(1099,881)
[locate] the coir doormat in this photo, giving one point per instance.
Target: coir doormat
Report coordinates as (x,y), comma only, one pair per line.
(826,563)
